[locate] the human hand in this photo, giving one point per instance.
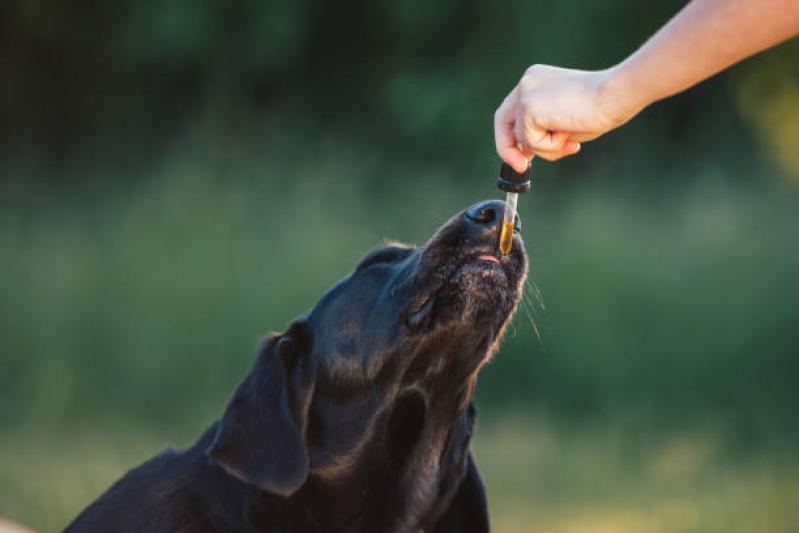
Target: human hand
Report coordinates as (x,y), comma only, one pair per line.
(552,110)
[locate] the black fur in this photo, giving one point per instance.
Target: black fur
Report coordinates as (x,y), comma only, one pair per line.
(359,417)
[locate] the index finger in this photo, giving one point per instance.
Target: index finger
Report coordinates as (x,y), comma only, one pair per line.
(505,135)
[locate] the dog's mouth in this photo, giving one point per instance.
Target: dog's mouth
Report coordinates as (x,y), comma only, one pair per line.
(489,263)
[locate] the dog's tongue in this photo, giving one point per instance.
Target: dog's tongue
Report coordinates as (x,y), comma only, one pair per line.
(491,258)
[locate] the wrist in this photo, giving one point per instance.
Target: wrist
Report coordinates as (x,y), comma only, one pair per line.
(622,93)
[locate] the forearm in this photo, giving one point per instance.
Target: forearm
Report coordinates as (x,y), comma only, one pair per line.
(551,110)
(704,38)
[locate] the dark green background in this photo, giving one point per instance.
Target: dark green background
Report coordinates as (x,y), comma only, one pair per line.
(180,177)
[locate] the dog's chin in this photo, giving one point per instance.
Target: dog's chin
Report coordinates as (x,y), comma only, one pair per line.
(477,293)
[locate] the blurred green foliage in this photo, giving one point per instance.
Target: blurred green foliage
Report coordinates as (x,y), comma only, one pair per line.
(179,178)
(119,82)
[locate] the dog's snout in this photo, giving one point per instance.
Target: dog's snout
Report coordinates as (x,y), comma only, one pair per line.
(486,215)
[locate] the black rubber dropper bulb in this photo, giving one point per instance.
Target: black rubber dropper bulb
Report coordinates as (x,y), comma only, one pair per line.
(512,183)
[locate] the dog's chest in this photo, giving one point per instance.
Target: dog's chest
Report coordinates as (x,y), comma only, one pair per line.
(398,500)
(391,489)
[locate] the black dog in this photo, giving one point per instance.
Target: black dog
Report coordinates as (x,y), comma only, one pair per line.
(359,417)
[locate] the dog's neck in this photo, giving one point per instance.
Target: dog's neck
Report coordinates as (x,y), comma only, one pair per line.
(412,426)
(419,444)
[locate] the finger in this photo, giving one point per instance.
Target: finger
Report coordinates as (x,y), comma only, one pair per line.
(569,149)
(533,138)
(525,135)
(516,159)
(546,147)
(583,137)
(526,153)
(553,141)
(510,151)
(505,136)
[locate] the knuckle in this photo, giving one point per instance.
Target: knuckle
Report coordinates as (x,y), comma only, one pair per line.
(527,83)
(533,118)
(528,108)
(533,69)
(539,117)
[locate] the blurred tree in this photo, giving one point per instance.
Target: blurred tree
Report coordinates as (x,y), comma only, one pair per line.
(120,81)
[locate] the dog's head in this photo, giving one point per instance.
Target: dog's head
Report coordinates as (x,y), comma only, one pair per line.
(399,341)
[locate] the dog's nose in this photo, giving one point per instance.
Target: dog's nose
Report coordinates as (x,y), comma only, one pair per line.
(487,215)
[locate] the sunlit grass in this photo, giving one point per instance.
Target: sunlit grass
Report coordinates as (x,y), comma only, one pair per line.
(603,480)
(47,477)
(539,478)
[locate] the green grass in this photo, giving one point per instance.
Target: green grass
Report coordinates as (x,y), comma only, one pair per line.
(598,480)
(539,477)
(47,477)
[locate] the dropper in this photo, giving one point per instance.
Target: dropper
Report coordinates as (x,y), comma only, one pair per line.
(512,183)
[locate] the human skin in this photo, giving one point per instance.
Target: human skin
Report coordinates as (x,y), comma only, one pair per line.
(552,110)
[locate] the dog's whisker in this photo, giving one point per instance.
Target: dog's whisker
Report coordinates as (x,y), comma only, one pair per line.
(533,293)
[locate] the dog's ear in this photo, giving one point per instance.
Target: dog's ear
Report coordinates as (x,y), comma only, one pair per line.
(261,436)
